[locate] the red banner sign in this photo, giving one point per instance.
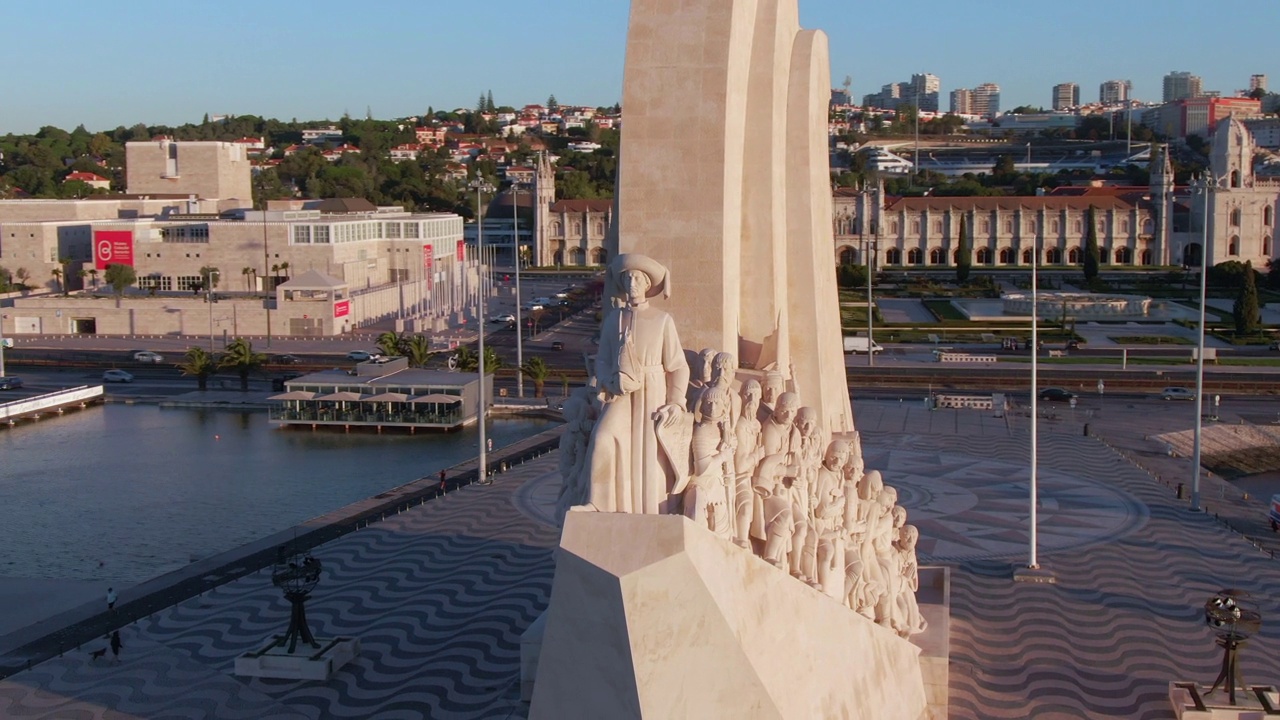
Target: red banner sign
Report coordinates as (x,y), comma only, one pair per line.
(342,308)
(462,251)
(428,264)
(112,247)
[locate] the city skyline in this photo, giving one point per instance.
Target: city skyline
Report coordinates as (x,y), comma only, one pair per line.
(164,64)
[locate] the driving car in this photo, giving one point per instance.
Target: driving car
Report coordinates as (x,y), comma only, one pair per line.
(362,356)
(504,318)
(285,360)
(10,383)
(146,356)
(1177,393)
(114,376)
(1054,394)
(557,345)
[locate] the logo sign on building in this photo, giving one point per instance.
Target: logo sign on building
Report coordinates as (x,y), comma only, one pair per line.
(428,262)
(342,308)
(462,251)
(112,247)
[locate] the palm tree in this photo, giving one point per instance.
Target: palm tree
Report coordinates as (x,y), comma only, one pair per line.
(246,272)
(239,356)
(199,364)
(93,273)
(391,343)
(57,278)
(535,368)
(284,268)
(469,361)
(275,273)
(418,348)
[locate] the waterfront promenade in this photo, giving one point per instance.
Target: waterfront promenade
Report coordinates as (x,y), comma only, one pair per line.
(440,592)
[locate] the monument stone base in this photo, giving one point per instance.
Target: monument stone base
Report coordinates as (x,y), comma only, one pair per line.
(652,616)
(1190,703)
(305,663)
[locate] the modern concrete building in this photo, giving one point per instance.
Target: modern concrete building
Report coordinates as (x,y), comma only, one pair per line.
(1200,115)
(925,89)
(962,101)
(986,100)
(1066,95)
(209,170)
(1114,92)
(1181,85)
(1257,82)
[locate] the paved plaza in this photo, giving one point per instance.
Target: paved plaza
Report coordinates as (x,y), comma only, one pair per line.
(440,594)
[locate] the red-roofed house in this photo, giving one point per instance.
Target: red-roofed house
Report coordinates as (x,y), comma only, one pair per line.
(408,151)
(91,179)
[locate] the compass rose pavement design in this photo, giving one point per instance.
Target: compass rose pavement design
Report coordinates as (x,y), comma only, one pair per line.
(971,508)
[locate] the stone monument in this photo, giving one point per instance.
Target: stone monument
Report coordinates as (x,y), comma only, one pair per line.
(725,551)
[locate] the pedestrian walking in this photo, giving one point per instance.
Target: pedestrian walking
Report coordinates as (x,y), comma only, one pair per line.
(111,599)
(115,646)
(442,476)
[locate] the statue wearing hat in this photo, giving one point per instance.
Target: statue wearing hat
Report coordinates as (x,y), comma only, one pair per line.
(643,377)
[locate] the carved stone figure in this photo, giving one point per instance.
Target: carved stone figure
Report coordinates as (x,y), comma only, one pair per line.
(747,455)
(643,373)
(828,518)
(773,388)
(707,496)
(778,435)
(882,538)
(868,584)
(580,412)
(806,458)
(700,376)
(910,621)
(775,509)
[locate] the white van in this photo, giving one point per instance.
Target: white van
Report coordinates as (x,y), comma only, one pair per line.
(860,345)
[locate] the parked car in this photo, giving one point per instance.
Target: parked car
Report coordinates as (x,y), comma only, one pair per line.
(1177,393)
(146,356)
(362,355)
(1053,394)
(116,376)
(285,360)
(10,383)
(505,318)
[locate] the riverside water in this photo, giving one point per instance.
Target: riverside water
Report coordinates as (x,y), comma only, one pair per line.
(128,492)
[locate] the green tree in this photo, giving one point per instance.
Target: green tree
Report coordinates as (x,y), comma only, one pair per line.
(210,276)
(200,365)
(851,276)
(1091,254)
(418,348)
(57,280)
(240,357)
(964,255)
(1245,311)
(119,277)
(535,368)
(391,343)
(245,272)
(468,360)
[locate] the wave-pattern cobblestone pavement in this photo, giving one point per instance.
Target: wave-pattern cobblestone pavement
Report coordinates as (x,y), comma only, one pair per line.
(1125,617)
(438,596)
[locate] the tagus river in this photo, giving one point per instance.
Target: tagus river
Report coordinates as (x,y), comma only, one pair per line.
(126,492)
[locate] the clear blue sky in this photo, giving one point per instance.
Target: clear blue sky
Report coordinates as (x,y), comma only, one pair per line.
(105,64)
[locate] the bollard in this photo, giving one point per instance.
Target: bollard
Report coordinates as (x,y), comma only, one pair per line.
(1086,429)
(1181,495)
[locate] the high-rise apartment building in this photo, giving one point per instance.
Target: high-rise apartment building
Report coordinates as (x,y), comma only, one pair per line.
(962,101)
(925,89)
(986,100)
(1066,95)
(1180,85)
(1114,92)
(1257,82)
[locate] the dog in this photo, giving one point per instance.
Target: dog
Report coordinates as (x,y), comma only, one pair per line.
(97,654)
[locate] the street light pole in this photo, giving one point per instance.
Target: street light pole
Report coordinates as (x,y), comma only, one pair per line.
(869,252)
(515,235)
(481,187)
(266,257)
(1206,186)
(208,296)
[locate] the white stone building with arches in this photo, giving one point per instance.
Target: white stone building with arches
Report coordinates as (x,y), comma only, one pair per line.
(1159,225)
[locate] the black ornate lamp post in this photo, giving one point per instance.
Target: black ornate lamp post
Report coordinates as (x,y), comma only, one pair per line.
(297,576)
(1233,623)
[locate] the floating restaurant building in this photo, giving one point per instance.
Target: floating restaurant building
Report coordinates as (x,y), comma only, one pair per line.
(380,395)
